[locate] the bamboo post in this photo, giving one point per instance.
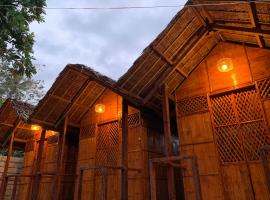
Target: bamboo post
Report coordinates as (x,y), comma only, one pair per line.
(60,160)
(263,154)
(153,185)
(80,185)
(14,191)
(124,175)
(10,148)
(168,146)
(36,174)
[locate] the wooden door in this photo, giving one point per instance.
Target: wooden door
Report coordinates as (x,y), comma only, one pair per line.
(107,182)
(240,131)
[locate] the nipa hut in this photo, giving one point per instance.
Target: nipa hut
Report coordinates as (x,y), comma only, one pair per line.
(189,120)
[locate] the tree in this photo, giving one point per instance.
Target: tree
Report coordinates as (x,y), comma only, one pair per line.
(18,86)
(16,39)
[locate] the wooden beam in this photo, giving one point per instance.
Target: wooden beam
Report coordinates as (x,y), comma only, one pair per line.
(243,30)
(163,57)
(20,140)
(60,160)
(167,141)
(254,22)
(207,14)
(90,106)
(37,170)
(9,154)
(124,175)
(167,73)
(73,101)
(155,44)
(180,71)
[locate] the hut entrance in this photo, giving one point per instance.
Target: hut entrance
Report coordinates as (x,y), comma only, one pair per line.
(107,177)
(240,131)
(70,157)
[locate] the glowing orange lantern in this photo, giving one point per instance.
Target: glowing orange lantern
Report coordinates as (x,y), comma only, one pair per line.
(225,64)
(99,108)
(35,127)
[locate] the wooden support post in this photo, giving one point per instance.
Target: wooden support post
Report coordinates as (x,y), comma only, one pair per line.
(196,178)
(36,174)
(14,190)
(9,154)
(60,160)
(80,185)
(124,175)
(153,186)
(263,154)
(167,138)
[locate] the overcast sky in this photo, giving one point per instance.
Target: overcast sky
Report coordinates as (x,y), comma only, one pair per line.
(108,41)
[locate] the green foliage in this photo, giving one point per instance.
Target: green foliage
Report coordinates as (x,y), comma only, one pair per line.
(19,87)
(16,40)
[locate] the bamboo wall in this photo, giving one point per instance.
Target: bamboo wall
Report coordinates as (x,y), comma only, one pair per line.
(98,146)
(48,164)
(225,129)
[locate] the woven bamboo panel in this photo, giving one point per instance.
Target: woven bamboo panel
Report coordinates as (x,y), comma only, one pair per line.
(229,144)
(255,135)
(53,139)
(133,120)
(239,125)
(87,131)
(30,146)
(108,142)
(248,106)
(264,88)
(192,105)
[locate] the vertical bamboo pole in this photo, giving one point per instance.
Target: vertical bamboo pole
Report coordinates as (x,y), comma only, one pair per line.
(60,160)
(36,174)
(153,186)
(10,148)
(124,175)
(168,146)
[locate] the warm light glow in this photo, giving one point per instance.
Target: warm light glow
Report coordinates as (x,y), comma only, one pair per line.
(225,65)
(233,76)
(35,127)
(99,108)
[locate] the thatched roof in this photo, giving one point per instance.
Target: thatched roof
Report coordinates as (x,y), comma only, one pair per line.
(189,38)
(74,91)
(169,59)
(10,112)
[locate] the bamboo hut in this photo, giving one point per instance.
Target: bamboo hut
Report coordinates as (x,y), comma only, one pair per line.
(15,133)
(189,120)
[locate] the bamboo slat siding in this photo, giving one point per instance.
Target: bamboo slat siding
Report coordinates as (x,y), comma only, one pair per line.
(227,137)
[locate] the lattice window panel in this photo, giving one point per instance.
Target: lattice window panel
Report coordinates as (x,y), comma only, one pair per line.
(192,105)
(223,113)
(133,120)
(88,131)
(30,146)
(239,125)
(108,145)
(264,88)
(53,139)
(255,136)
(229,144)
(248,105)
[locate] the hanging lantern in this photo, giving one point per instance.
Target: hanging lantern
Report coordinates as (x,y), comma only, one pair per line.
(35,127)
(100,108)
(225,64)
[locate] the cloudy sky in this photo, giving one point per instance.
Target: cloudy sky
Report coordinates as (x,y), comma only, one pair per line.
(107,40)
